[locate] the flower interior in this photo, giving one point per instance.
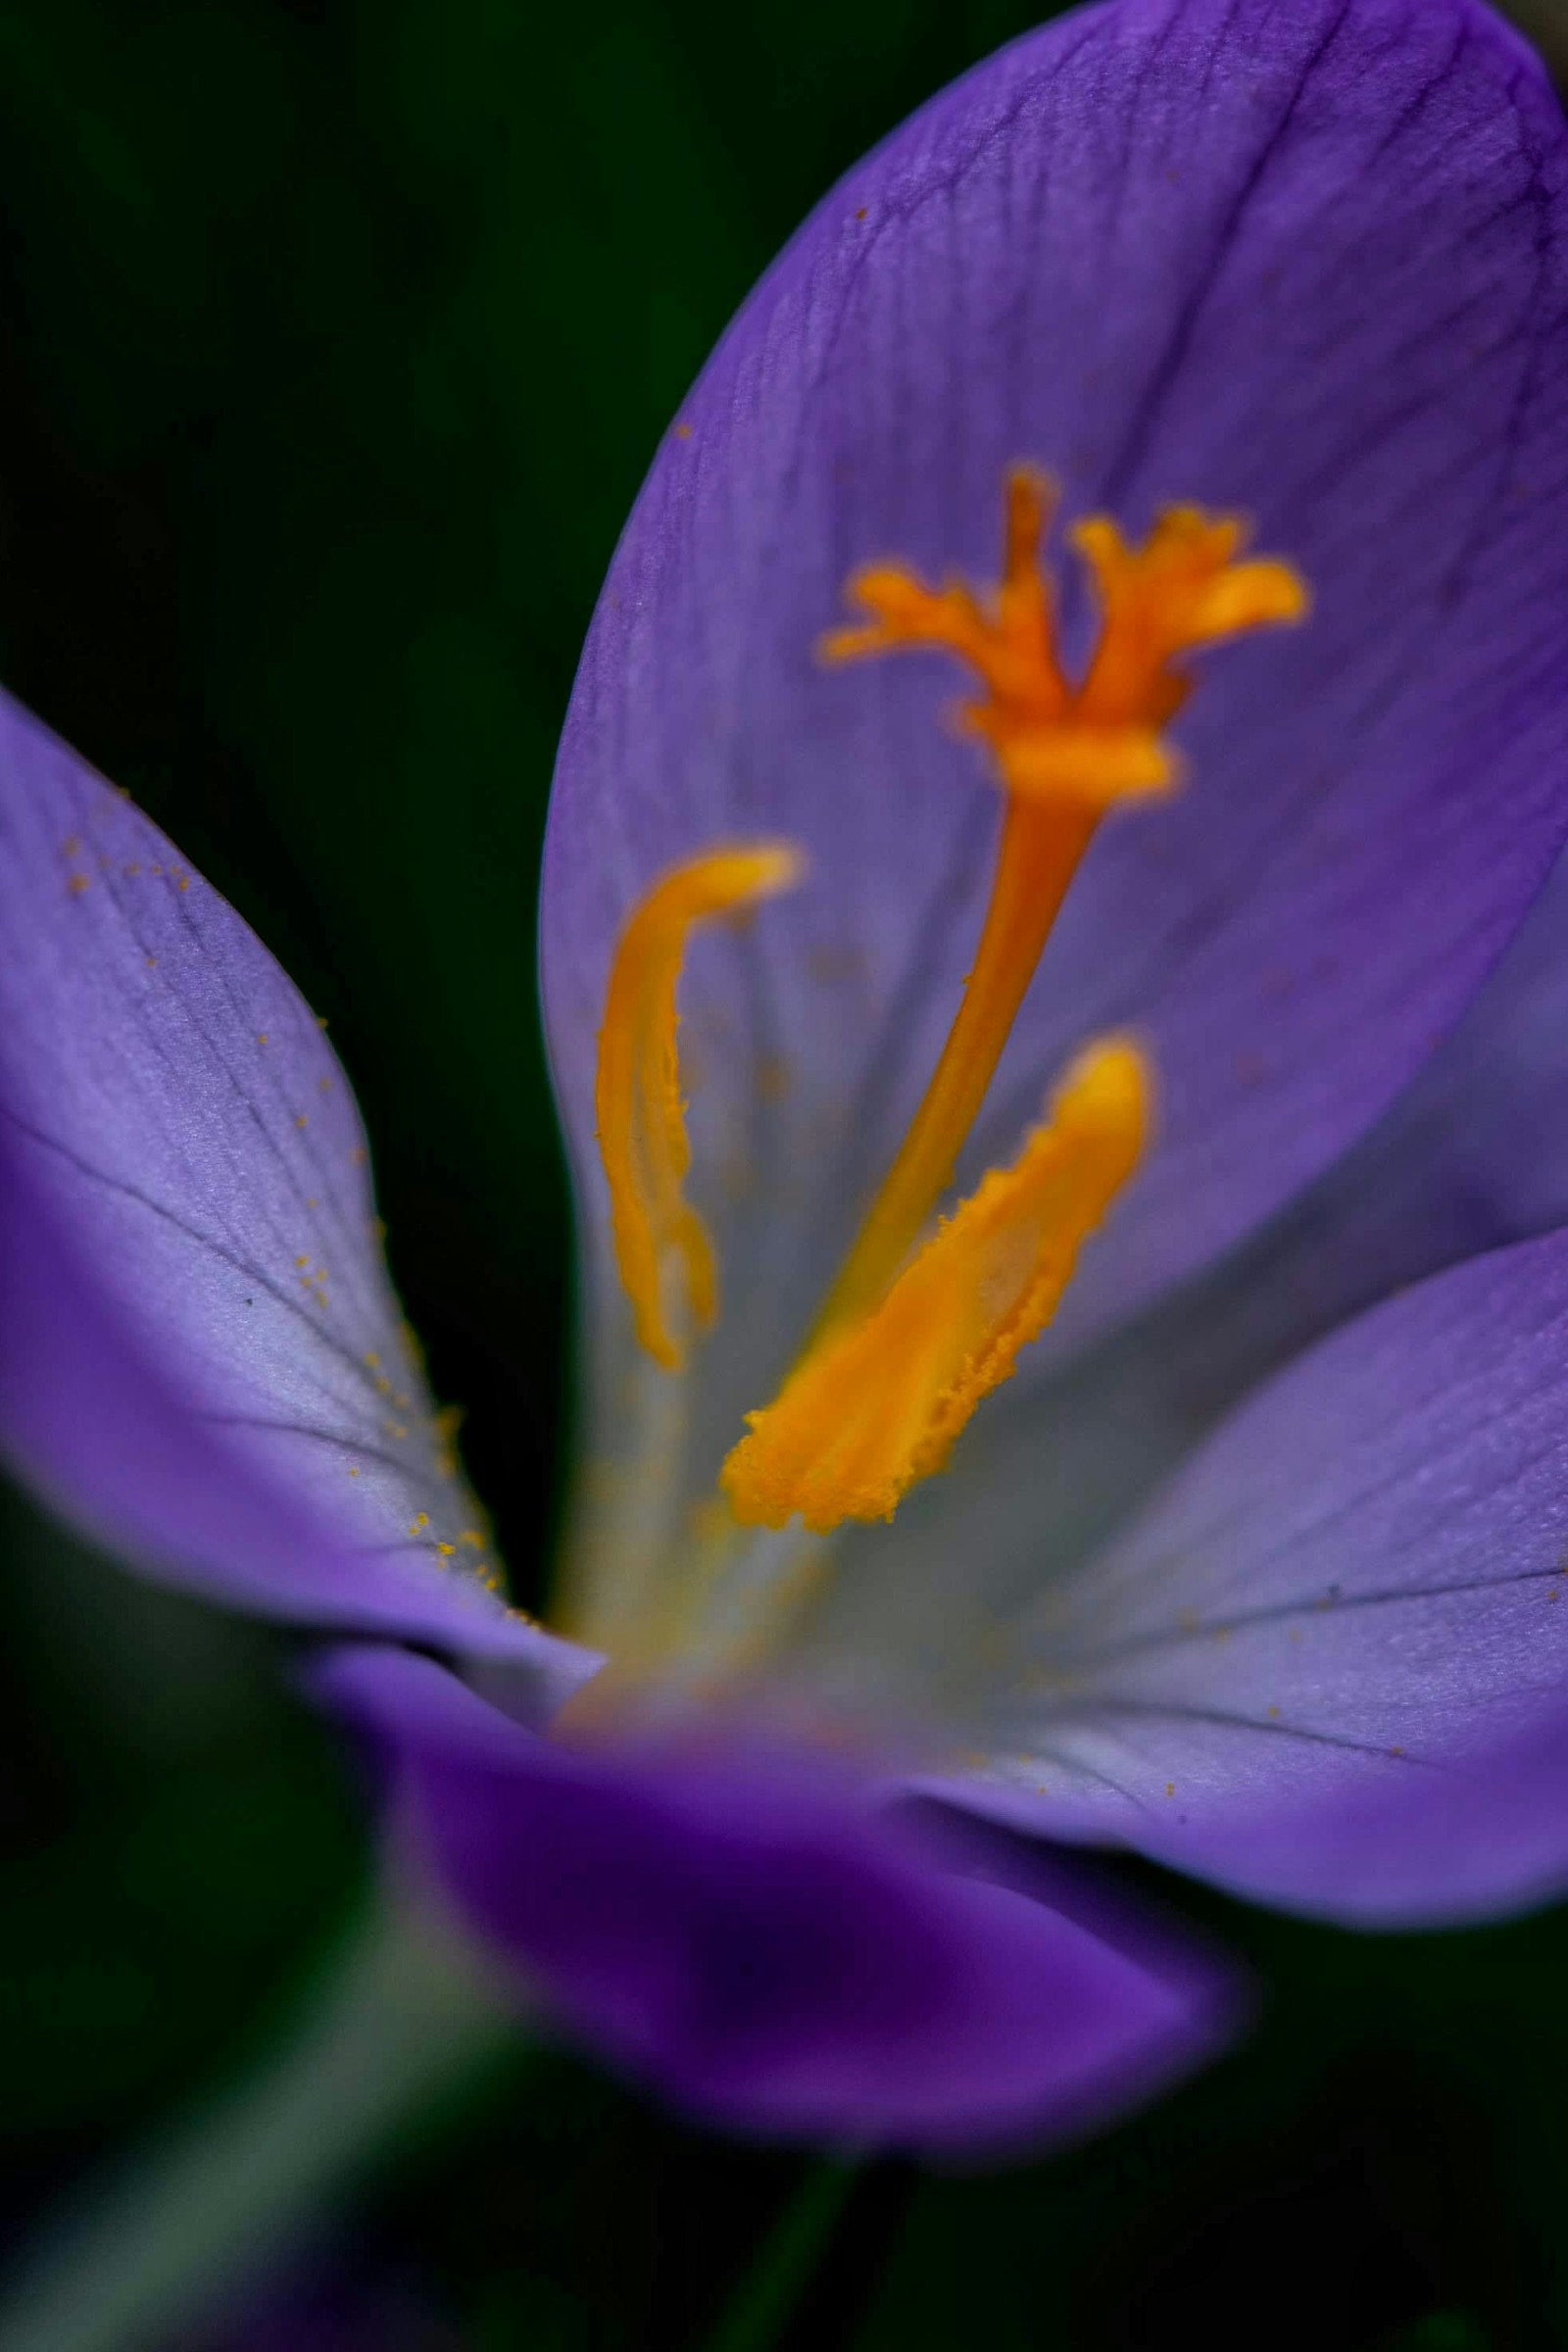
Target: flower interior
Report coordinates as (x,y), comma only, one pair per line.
(924,1319)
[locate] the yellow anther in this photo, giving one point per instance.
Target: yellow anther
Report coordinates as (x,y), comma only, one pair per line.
(877,1405)
(1065,754)
(661,1245)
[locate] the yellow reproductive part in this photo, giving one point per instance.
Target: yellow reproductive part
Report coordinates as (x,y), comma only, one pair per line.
(922,1325)
(662,1249)
(876,1405)
(1065,753)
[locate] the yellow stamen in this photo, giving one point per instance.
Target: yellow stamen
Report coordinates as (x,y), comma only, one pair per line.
(877,1404)
(661,1244)
(1063,754)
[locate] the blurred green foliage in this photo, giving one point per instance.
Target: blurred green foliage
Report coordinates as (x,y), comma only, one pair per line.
(336,340)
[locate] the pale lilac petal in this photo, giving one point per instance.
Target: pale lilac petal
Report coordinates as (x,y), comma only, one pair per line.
(1472,1156)
(735,1929)
(1329,1666)
(201,1358)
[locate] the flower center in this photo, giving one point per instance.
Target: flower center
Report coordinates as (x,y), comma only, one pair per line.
(919,1326)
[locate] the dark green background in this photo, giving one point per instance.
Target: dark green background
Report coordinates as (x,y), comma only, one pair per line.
(335,342)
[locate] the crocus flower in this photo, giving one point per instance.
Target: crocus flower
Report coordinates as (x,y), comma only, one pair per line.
(966,1111)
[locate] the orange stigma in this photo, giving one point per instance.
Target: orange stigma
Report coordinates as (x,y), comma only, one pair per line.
(1101,741)
(662,1249)
(1063,754)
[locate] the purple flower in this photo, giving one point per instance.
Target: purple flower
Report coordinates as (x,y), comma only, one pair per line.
(885,1570)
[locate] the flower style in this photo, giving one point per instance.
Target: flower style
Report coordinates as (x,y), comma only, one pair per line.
(883,1046)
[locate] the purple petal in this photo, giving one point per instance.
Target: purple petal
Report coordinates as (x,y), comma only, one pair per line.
(1296,257)
(1472,1156)
(1330,1665)
(737,1931)
(201,1359)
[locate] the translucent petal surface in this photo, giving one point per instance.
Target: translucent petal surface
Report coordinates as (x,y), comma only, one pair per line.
(1329,1664)
(201,1357)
